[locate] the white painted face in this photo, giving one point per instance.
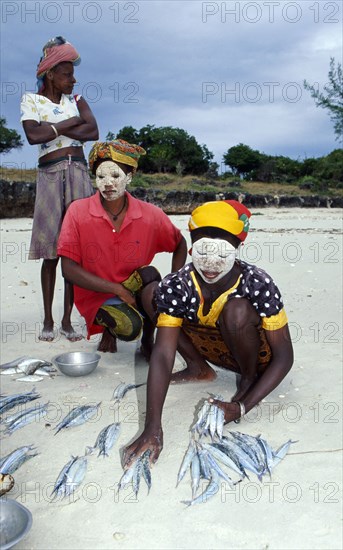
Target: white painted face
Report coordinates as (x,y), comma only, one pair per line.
(213,258)
(111,180)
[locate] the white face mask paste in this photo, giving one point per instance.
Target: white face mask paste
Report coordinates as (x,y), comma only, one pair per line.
(213,258)
(111,180)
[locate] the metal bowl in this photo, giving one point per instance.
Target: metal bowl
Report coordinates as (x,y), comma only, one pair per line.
(15,522)
(77,363)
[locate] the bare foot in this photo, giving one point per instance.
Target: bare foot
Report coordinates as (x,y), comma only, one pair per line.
(203,374)
(48,333)
(71,334)
(108,342)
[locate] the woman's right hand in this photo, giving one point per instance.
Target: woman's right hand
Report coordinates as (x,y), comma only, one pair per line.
(150,439)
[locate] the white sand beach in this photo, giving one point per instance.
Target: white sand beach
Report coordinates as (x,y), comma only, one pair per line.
(299,507)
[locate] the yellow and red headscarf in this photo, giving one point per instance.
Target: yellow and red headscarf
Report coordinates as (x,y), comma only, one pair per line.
(231,216)
(117,150)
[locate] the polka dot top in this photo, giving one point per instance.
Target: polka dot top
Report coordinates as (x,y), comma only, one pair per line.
(178,297)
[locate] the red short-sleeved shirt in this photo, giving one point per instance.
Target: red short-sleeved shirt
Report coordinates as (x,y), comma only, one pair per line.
(88,237)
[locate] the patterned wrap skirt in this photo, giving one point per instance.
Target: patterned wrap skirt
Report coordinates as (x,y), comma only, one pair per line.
(211,346)
(57,186)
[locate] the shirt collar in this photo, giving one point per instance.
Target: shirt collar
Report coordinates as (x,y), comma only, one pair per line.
(134,210)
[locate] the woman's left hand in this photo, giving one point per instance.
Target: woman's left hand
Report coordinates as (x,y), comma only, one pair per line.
(232,410)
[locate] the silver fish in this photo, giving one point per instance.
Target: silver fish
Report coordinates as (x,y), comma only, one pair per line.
(234,455)
(281,452)
(30,378)
(127,476)
(59,483)
(29,366)
(244,456)
(268,454)
(10,463)
(211,490)
(11,401)
(220,422)
(146,468)
(136,479)
(14,363)
(122,389)
(204,467)
(9,371)
(26,417)
(106,439)
(250,450)
(195,473)
(70,477)
(185,464)
(214,466)
(202,418)
(78,415)
(222,457)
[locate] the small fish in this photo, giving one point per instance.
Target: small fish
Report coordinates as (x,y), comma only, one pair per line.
(281,452)
(26,417)
(70,477)
(10,463)
(26,365)
(9,371)
(122,389)
(195,473)
(250,450)
(127,476)
(185,464)
(140,467)
(29,366)
(136,478)
(210,419)
(11,401)
(146,468)
(14,363)
(77,416)
(59,483)
(222,457)
(204,467)
(202,418)
(211,490)
(30,378)
(106,439)
(214,467)
(233,456)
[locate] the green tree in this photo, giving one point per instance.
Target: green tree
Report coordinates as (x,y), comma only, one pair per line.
(168,149)
(9,139)
(332,99)
(330,168)
(242,159)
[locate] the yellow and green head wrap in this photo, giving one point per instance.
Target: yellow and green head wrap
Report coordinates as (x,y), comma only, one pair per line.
(117,150)
(231,216)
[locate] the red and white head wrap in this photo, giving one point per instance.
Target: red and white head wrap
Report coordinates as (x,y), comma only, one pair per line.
(56,51)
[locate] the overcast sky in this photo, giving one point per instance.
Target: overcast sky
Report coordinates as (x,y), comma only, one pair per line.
(226,72)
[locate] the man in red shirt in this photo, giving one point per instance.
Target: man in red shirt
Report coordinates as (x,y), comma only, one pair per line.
(107,242)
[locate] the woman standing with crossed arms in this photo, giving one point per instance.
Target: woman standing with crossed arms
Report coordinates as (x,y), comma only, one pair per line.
(59,123)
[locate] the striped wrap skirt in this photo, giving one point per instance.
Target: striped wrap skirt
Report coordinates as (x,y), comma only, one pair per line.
(57,186)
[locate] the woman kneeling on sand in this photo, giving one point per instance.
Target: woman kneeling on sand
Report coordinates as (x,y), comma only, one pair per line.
(217,309)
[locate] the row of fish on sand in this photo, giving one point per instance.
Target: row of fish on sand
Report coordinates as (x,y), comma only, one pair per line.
(210,456)
(74,471)
(213,458)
